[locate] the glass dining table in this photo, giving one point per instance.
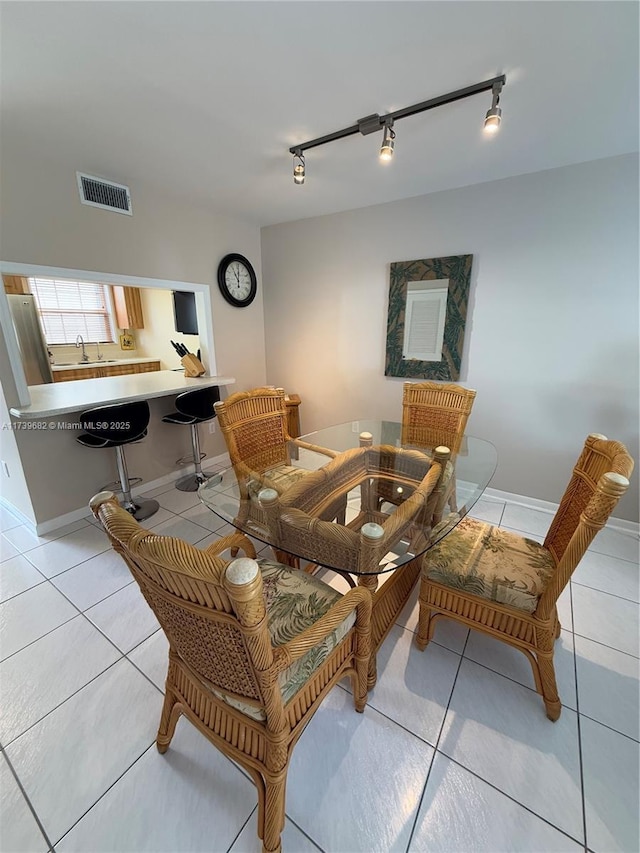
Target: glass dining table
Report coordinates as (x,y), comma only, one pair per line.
(354,499)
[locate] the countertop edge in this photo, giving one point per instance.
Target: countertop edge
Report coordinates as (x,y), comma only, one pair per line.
(106,391)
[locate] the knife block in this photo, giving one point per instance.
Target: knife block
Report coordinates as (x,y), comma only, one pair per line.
(192,365)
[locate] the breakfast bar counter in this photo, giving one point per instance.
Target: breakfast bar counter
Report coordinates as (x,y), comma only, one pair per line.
(61,398)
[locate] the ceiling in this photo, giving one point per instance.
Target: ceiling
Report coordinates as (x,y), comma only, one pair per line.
(204,99)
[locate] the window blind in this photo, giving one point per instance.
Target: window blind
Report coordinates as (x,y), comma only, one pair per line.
(71,308)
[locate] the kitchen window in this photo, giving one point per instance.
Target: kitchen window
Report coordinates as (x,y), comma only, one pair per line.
(71,308)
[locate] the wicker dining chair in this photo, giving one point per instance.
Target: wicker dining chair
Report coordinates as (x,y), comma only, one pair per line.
(254,647)
(254,426)
(507,585)
(433,414)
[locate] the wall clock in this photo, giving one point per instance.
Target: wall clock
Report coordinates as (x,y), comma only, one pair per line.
(237,280)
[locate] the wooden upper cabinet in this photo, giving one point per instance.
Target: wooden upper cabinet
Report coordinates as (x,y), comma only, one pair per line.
(128,307)
(16,284)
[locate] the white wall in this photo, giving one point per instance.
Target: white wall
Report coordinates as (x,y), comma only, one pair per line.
(552,331)
(43,223)
(159,329)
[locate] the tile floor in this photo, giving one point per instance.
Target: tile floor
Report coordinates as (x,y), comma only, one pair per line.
(454,751)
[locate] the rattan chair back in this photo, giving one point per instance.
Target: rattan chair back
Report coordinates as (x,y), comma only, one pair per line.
(435,414)
(254,425)
(588,501)
(184,587)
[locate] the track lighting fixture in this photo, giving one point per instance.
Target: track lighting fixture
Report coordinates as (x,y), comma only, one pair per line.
(494,115)
(298,167)
(386,150)
(373,123)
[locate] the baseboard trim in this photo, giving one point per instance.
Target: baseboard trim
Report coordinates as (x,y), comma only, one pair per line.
(221,461)
(621,525)
(15,511)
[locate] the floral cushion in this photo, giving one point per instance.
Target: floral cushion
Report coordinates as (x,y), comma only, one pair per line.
(294,600)
(491,563)
(278,478)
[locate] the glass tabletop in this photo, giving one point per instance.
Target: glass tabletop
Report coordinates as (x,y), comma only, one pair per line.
(352,497)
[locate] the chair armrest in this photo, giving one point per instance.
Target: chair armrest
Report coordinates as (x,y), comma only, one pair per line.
(315,448)
(235,540)
(359,599)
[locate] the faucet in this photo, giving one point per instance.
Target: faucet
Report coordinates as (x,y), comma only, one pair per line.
(100,355)
(80,343)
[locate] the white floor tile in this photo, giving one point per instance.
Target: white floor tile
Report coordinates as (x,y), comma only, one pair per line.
(535,522)
(7,519)
(293,841)
(94,579)
(496,731)
(608,574)
(448,633)
(615,544)
(181,528)
(177,501)
(7,550)
(69,550)
(25,539)
(460,812)
(203,516)
(414,687)
(69,759)
(507,660)
(565,610)
(40,677)
(189,800)
(488,510)
(152,657)
(125,617)
(362,767)
(608,683)
(19,832)
(606,619)
(159,490)
(611,790)
(158,517)
(30,615)
(16,576)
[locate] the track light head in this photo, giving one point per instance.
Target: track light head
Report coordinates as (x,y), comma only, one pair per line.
(494,115)
(298,167)
(386,150)
(492,120)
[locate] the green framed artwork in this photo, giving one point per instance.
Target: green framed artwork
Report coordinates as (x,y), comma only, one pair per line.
(427,315)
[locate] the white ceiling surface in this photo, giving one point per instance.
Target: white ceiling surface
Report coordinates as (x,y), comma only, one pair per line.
(204,99)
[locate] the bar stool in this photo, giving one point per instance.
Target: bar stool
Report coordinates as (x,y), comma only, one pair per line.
(193,408)
(115,426)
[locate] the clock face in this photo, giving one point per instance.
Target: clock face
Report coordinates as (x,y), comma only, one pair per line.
(237,280)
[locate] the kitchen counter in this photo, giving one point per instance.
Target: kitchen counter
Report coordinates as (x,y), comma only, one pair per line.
(59,398)
(113,362)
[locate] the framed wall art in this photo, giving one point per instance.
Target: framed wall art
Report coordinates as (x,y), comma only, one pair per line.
(427,315)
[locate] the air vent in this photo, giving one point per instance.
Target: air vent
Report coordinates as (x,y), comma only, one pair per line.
(105,194)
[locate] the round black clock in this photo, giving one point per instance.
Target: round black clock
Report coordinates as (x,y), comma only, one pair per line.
(237,280)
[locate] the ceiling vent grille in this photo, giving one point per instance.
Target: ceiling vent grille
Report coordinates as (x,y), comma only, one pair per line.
(97,192)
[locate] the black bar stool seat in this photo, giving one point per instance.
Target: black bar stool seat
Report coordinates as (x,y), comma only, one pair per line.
(113,427)
(193,408)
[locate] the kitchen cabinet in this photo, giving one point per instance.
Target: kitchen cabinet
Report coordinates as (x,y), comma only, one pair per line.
(16,284)
(100,371)
(128,303)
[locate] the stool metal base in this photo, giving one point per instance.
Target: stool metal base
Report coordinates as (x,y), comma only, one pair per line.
(141,509)
(192,482)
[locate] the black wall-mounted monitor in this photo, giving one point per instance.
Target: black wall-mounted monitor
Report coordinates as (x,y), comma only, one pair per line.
(184,312)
